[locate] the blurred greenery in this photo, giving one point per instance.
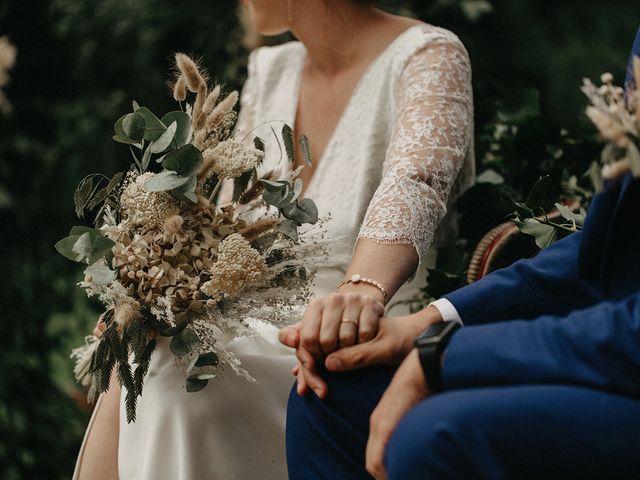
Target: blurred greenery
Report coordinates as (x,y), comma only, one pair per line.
(79,66)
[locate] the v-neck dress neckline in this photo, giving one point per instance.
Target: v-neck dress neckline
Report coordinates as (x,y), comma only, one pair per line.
(368,71)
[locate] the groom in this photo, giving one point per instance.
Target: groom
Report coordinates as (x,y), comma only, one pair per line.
(542,381)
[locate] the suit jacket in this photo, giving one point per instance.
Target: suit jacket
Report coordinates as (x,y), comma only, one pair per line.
(583,293)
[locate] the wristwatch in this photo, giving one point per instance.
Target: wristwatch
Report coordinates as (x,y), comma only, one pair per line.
(430,344)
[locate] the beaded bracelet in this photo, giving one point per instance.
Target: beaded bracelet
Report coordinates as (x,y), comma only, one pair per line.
(356,278)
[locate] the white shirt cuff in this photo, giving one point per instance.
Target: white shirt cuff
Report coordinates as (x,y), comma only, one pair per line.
(447,310)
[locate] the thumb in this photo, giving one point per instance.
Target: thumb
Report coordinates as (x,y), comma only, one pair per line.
(290,336)
(356,356)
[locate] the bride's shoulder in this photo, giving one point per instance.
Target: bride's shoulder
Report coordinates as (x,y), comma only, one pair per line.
(424,35)
(267,62)
(423,43)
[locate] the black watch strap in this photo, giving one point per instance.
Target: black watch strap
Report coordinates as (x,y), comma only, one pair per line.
(431,344)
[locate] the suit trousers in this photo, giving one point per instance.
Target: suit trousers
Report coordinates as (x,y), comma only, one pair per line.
(503,432)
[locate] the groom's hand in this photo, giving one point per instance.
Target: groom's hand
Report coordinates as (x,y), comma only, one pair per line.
(407,389)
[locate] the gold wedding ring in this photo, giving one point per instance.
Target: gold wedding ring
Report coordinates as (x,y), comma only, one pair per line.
(348,320)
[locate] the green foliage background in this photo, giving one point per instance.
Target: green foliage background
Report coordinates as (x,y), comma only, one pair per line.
(79,66)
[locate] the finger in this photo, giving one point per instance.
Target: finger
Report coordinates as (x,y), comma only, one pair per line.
(310,328)
(290,336)
(332,314)
(356,356)
(295,370)
(369,320)
(301,388)
(311,377)
(348,333)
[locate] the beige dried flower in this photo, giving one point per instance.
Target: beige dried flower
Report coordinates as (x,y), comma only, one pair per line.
(239,265)
(607,126)
(212,98)
(147,209)
(180,89)
(125,310)
(230,159)
(173,224)
(253,231)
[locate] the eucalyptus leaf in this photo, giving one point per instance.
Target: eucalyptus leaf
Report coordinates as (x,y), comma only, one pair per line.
(183,127)
(133,126)
(84,244)
(544,235)
(304,211)
(153,125)
(146,158)
(207,359)
(289,228)
(184,342)
(65,248)
(165,181)
(181,323)
(273,186)
(524,211)
(194,384)
(567,213)
(187,192)
(185,161)
(164,141)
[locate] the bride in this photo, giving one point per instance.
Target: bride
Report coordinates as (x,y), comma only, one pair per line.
(387,105)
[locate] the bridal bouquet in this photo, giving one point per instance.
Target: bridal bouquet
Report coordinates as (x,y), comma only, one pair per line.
(167,259)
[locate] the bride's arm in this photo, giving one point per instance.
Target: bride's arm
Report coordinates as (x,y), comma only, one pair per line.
(98,458)
(431,137)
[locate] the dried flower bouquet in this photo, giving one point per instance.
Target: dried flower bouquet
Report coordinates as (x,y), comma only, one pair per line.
(166,259)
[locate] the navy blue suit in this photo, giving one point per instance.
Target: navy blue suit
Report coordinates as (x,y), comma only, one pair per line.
(542,382)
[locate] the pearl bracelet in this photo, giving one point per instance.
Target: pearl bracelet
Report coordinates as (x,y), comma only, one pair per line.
(355,279)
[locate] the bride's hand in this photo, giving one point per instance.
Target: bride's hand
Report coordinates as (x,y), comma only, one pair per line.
(329,323)
(339,320)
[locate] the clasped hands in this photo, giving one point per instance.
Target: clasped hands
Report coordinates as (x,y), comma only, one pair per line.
(346,331)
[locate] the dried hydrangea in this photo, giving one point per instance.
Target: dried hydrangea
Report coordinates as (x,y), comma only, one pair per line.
(239,265)
(144,208)
(230,159)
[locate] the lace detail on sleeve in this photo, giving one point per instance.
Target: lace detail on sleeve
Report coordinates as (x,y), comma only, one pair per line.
(431,137)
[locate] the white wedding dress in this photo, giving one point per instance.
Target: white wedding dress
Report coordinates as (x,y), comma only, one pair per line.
(402,152)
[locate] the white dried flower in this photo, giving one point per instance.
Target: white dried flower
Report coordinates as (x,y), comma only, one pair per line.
(147,209)
(607,78)
(230,159)
(239,265)
(82,357)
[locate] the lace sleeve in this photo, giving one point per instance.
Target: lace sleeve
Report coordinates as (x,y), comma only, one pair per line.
(430,139)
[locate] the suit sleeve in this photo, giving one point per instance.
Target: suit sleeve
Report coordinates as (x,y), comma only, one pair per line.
(546,284)
(597,347)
